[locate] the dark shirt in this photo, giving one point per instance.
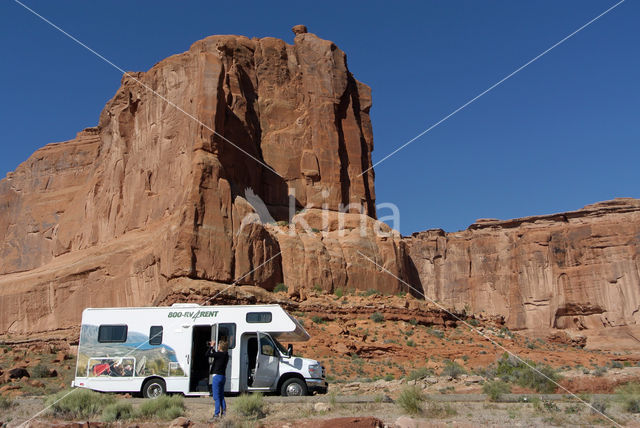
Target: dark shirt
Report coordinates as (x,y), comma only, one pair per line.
(220,360)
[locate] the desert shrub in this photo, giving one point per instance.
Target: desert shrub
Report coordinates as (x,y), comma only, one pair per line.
(419,373)
(541,377)
(452,369)
(599,406)
(616,365)
(495,389)
(339,292)
(437,333)
(5,402)
(410,342)
(473,322)
(369,292)
(629,396)
(118,411)
(317,319)
(377,317)
(600,371)
(410,400)
(438,410)
(164,407)
(280,287)
(389,377)
(78,403)
(40,371)
(317,288)
(249,406)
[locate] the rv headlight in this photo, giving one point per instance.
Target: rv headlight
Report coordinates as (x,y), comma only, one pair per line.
(315,370)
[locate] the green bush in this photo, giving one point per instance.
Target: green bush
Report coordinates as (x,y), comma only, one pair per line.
(452,369)
(249,406)
(40,371)
(164,407)
(5,402)
(541,377)
(629,396)
(437,410)
(600,371)
(419,373)
(339,292)
(377,317)
(495,389)
(118,411)
(616,365)
(389,377)
(317,319)
(78,403)
(411,343)
(437,333)
(280,287)
(369,292)
(599,406)
(410,400)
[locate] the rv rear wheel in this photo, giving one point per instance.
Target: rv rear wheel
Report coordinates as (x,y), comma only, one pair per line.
(293,387)
(154,388)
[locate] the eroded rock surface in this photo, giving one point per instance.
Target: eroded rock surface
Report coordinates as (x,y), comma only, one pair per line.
(576,270)
(212,168)
(158,190)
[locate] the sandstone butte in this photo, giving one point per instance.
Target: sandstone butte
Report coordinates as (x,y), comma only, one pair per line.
(150,200)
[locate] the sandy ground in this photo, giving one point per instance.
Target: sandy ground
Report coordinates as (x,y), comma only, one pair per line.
(314,414)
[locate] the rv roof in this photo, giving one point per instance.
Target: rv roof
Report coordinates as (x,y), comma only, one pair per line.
(190,305)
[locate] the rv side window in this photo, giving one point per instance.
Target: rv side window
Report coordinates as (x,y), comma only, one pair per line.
(259,317)
(112,333)
(227,332)
(155,335)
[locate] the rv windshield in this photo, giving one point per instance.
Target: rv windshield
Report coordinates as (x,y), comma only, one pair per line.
(282,349)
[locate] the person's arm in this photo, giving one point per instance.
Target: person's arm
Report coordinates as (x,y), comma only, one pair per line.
(211,351)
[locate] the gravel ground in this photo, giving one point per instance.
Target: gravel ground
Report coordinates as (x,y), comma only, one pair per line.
(453,409)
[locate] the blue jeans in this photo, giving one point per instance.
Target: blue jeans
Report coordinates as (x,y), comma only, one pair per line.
(217,388)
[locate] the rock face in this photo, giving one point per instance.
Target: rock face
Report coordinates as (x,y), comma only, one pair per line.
(576,270)
(238,162)
(158,190)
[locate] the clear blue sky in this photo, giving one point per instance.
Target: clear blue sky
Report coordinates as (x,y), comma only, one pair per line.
(562,133)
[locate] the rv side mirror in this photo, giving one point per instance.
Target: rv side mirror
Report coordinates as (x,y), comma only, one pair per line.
(290,350)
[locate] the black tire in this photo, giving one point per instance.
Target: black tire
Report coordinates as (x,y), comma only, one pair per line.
(294,387)
(154,388)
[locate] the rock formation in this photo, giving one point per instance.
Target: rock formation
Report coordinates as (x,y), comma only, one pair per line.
(238,162)
(576,270)
(158,190)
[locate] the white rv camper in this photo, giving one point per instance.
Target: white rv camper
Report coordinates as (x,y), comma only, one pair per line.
(155,350)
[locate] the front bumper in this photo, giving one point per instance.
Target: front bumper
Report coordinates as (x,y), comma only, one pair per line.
(317,385)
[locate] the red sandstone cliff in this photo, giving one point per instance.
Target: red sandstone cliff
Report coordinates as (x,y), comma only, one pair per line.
(130,211)
(576,270)
(152,195)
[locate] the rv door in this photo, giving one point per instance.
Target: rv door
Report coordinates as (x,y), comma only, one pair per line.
(267,362)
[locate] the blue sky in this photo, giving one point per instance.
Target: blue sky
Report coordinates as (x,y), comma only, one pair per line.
(562,133)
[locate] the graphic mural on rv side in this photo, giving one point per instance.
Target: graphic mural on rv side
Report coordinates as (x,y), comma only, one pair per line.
(134,357)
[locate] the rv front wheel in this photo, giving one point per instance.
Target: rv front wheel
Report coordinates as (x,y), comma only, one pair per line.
(154,388)
(293,387)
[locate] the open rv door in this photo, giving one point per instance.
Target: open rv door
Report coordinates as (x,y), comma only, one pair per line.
(267,362)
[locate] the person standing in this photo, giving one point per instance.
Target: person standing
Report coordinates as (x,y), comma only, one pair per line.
(218,370)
